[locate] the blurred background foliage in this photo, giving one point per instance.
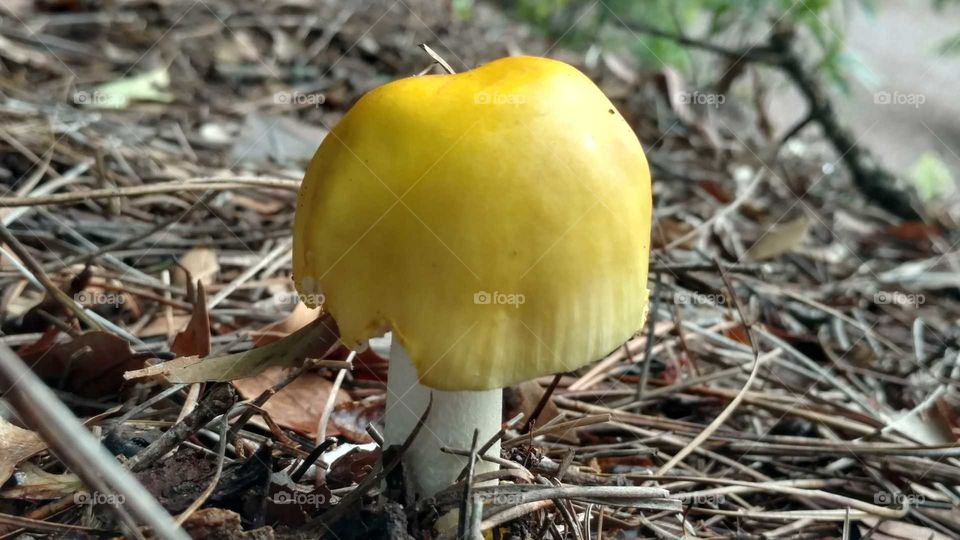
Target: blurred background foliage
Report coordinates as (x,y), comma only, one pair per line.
(645,31)
(619,24)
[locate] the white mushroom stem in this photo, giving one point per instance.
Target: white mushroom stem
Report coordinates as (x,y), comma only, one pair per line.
(451,422)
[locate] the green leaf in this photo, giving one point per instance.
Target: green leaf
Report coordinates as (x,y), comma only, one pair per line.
(932,178)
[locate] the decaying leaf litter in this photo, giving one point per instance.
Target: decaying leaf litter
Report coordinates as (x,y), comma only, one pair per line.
(800,379)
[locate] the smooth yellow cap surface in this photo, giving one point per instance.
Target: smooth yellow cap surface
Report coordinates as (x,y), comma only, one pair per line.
(498,220)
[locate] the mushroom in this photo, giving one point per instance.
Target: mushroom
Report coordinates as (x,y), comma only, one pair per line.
(497,221)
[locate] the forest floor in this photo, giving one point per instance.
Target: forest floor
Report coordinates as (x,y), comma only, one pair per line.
(797,377)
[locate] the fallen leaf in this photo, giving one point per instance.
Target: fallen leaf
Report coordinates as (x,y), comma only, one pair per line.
(298,318)
(277,139)
(34,321)
(910,231)
(91,365)
(195,338)
(36,484)
(928,427)
(149,86)
(780,239)
(351,418)
(298,405)
(46,341)
(367,365)
(200,263)
(932,178)
(716,191)
(313,341)
(353,467)
(16,445)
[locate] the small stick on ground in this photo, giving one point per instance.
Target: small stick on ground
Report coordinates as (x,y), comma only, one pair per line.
(217,402)
(541,404)
(466,506)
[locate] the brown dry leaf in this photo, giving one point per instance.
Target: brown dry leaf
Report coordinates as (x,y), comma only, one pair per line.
(352,418)
(530,395)
(298,318)
(47,340)
(91,365)
(34,321)
(666,230)
(16,445)
(367,365)
(911,232)
(202,264)
(36,484)
(299,405)
(716,191)
(780,239)
(195,338)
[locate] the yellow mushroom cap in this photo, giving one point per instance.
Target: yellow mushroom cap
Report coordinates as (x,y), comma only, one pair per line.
(497,220)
